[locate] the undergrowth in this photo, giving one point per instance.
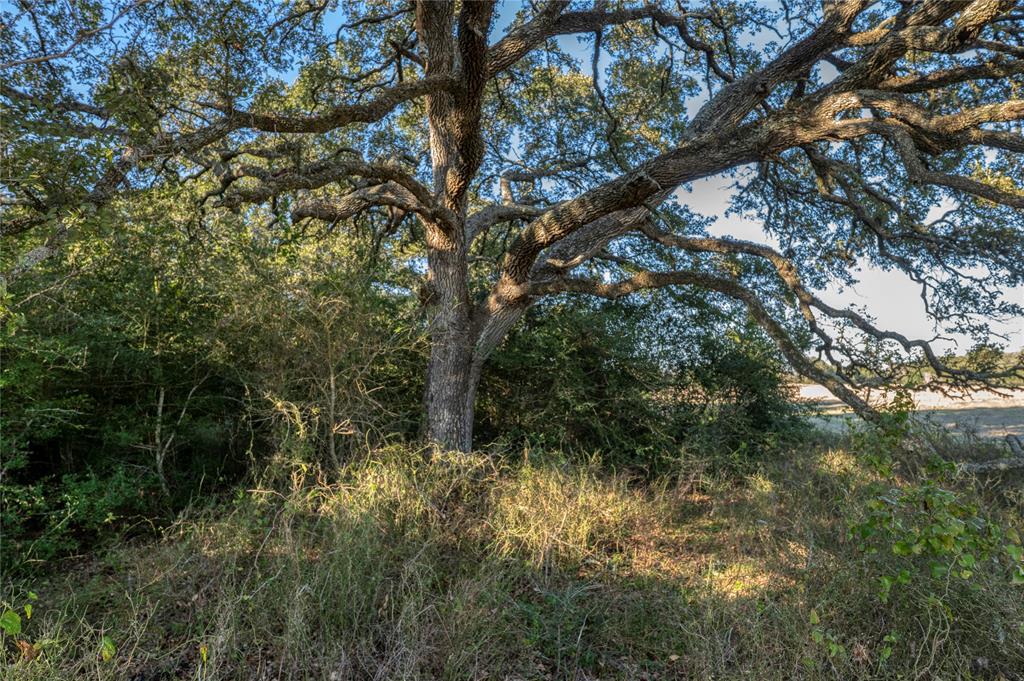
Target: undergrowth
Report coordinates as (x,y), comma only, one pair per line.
(409,565)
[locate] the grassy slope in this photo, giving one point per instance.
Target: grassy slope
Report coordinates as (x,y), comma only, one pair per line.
(458,568)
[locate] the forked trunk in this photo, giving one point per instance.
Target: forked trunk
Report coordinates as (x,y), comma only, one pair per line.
(456,151)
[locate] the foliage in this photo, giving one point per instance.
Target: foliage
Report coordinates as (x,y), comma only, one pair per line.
(54,517)
(329,357)
(113,410)
(583,378)
(147,369)
(535,164)
(576,377)
(940,534)
(736,397)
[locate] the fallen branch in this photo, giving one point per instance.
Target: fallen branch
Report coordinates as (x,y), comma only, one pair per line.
(1011,463)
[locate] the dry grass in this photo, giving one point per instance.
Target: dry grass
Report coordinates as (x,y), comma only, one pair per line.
(407,566)
(553,518)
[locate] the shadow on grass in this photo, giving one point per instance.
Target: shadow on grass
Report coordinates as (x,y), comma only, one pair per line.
(463,568)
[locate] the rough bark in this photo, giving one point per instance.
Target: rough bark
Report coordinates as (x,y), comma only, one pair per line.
(456,153)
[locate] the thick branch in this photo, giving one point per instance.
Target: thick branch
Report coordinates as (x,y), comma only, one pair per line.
(332,210)
(368,112)
(495,213)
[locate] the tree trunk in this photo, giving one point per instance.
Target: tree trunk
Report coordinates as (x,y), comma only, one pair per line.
(461,342)
(449,417)
(456,151)
(449,413)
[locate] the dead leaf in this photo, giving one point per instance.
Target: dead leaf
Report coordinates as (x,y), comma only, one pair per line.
(29,652)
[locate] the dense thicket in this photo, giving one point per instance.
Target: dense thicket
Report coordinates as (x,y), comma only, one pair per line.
(147,370)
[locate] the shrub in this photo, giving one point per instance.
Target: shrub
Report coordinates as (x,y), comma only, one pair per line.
(734,397)
(576,378)
(585,379)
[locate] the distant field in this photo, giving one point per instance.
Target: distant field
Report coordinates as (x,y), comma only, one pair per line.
(983,412)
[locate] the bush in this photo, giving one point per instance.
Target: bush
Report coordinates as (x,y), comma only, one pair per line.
(108,394)
(147,361)
(575,377)
(53,517)
(330,360)
(932,522)
(734,397)
(586,379)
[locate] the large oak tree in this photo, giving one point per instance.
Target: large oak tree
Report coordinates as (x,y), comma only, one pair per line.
(545,149)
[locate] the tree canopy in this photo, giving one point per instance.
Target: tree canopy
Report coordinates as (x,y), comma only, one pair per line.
(500,154)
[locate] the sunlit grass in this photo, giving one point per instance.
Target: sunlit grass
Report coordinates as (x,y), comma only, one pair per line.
(411,565)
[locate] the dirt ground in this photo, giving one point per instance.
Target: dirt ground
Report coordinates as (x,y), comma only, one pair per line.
(983,413)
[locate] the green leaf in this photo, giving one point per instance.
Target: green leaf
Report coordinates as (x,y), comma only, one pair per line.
(886,583)
(814,617)
(902,548)
(10,622)
(1015,551)
(28,611)
(32,596)
(1018,575)
(107,649)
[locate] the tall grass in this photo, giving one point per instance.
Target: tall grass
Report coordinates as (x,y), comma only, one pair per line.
(405,565)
